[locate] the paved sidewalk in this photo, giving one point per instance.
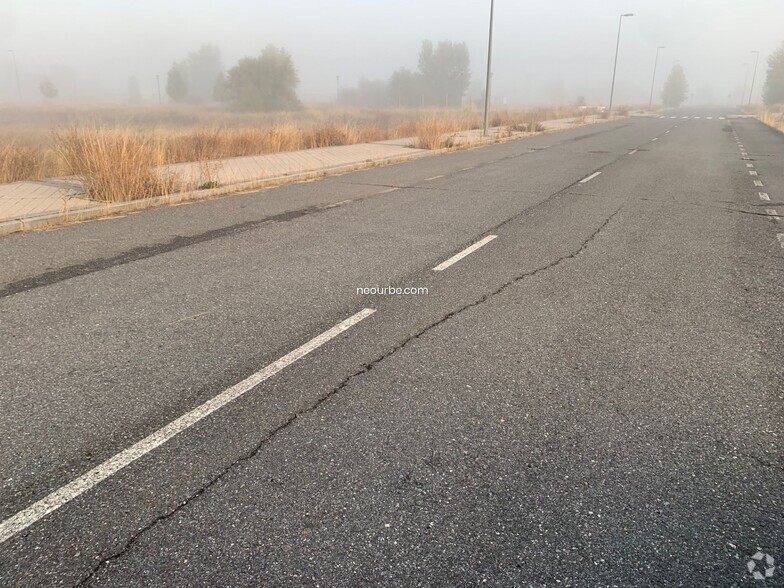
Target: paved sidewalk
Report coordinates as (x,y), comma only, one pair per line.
(37,204)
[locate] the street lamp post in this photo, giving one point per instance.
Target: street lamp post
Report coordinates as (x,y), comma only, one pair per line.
(754,76)
(158,81)
(745,83)
(16,73)
(653,81)
(337,78)
(489,66)
(615,65)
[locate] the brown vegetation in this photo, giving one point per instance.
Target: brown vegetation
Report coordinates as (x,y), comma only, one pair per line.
(113,148)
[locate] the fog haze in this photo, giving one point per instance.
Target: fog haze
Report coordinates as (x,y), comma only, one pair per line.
(544,52)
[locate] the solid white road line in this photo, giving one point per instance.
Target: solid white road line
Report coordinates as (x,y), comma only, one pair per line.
(758,183)
(467,251)
(433,178)
(632,152)
(58,498)
(764,196)
(771,212)
(589,178)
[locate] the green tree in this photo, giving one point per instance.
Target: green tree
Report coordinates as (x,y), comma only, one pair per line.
(773,91)
(204,67)
(446,70)
(675,88)
(406,88)
(48,89)
(267,82)
(177,82)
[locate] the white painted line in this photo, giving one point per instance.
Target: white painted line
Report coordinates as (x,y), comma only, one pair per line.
(589,178)
(388,190)
(710,118)
(696,117)
(655,139)
(632,152)
(335,204)
(758,183)
(749,165)
(780,237)
(673,117)
(665,132)
(771,212)
(662,117)
(467,168)
(744,154)
(433,178)
(60,497)
(684,117)
(753,172)
(764,196)
(467,251)
(721,118)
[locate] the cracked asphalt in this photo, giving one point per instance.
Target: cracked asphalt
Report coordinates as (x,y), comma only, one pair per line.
(593,398)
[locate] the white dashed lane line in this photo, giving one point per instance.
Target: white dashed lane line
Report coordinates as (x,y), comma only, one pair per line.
(764,196)
(655,139)
(433,178)
(467,251)
(753,172)
(771,212)
(632,152)
(589,178)
(60,497)
(758,183)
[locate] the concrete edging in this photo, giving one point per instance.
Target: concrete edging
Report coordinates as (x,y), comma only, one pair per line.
(50,219)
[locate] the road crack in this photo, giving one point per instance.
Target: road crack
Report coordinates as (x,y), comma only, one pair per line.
(342,385)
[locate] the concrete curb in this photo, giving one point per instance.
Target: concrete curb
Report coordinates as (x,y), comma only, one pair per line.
(50,219)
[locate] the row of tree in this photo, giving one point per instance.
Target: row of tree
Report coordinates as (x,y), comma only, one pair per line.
(269,81)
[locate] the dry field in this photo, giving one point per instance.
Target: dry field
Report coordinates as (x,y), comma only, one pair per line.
(774,117)
(114,148)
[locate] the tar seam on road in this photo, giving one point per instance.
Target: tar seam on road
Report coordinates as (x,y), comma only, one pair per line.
(63,495)
(147,251)
(361,371)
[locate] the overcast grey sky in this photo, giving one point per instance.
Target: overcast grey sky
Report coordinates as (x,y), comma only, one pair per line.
(545,51)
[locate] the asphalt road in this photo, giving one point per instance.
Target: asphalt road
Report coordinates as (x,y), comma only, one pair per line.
(593,397)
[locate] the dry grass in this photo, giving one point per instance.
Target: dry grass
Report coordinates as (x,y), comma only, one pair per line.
(774,117)
(114,148)
(115,166)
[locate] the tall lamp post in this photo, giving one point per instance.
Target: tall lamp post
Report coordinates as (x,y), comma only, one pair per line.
(615,66)
(489,66)
(158,82)
(754,76)
(745,83)
(653,81)
(16,73)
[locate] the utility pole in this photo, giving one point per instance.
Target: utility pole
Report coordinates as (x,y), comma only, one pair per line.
(745,83)
(338,90)
(489,68)
(158,81)
(615,66)
(16,73)
(653,82)
(754,76)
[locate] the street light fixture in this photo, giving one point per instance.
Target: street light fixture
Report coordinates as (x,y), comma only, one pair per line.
(653,81)
(489,66)
(16,73)
(615,66)
(754,76)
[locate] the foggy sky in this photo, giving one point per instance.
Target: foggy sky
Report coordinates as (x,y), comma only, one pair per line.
(544,52)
